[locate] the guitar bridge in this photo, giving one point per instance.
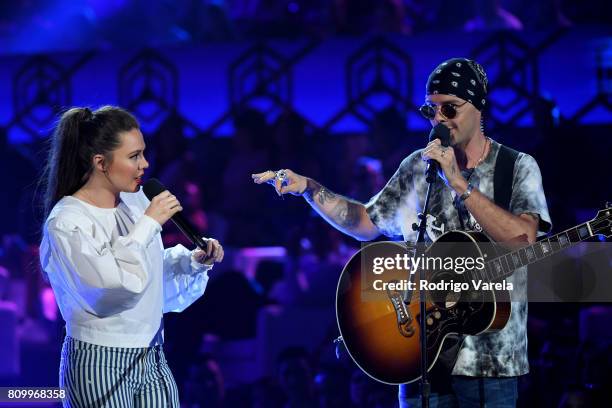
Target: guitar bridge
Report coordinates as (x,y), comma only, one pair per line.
(404,320)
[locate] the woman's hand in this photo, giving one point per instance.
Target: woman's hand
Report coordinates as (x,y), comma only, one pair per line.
(163,207)
(214,252)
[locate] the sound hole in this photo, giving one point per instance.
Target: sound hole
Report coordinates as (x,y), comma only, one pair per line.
(444,289)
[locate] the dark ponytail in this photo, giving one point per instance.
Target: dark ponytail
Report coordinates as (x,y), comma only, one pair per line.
(79,135)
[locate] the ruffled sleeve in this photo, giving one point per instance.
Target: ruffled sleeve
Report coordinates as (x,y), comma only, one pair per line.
(185,279)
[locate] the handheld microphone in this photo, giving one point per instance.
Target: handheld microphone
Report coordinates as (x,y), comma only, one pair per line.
(152,188)
(438,132)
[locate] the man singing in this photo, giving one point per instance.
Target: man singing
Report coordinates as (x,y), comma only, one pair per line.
(463,198)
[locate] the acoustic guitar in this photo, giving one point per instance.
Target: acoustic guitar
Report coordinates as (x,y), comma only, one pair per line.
(378,312)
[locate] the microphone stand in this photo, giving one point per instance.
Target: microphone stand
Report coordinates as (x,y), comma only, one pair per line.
(432,174)
(425,386)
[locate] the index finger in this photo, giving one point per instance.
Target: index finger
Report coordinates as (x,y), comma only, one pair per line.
(220,253)
(163,194)
(263,177)
(215,248)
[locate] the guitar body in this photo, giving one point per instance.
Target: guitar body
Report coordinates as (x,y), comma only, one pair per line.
(381,333)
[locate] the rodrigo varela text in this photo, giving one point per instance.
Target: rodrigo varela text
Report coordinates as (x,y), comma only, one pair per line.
(442,285)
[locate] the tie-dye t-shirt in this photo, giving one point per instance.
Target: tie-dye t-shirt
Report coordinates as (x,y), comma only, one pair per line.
(394,209)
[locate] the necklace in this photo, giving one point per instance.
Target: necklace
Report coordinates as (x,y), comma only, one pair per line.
(484,150)
(461,210)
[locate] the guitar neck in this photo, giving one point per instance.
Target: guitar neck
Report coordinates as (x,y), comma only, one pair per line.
(504,265)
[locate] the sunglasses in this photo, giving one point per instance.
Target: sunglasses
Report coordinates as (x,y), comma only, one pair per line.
(448,110)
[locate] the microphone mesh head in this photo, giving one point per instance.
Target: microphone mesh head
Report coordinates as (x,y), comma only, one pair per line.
(152,188)
(440,132)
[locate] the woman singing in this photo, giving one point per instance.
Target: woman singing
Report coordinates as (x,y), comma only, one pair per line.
(103,254)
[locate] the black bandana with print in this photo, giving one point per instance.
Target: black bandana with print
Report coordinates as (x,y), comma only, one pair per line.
(460,77)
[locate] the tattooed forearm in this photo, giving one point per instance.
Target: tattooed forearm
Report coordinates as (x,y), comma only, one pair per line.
(315,191)
(325,195)
(341,211)
(347,214)
(312,189)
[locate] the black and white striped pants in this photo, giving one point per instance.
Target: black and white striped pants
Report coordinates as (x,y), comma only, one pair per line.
(99,376)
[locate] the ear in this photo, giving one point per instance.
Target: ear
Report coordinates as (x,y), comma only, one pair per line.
(99,163)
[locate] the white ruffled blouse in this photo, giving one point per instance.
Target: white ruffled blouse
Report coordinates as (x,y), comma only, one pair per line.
(111,275)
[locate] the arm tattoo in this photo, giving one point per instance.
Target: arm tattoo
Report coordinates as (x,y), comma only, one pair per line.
(312,189)
(325,196)
(345,212)
(316,191)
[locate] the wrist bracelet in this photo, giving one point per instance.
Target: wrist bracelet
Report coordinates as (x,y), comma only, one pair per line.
(467,193)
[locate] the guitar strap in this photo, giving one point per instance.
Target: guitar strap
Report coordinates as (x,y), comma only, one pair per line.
(502,176)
